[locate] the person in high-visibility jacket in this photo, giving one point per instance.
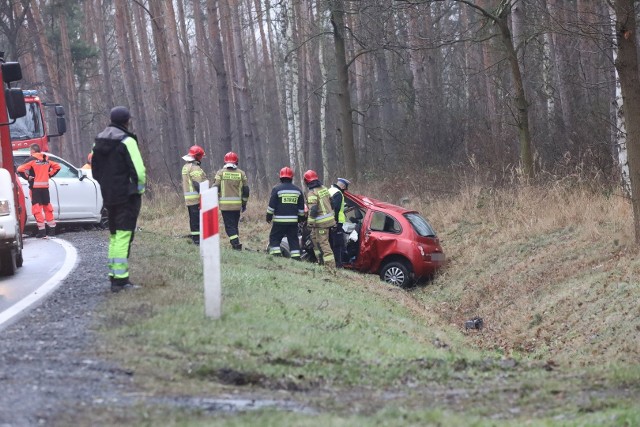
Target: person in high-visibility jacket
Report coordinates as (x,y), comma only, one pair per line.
(285,210)
(37,169)
(192,176)
(117,165)
(337,233)
(321,217)
(233,193)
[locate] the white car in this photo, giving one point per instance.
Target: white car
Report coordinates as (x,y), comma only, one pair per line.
(75,196)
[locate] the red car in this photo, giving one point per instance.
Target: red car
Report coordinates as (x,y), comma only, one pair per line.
(385,239)
(392,241)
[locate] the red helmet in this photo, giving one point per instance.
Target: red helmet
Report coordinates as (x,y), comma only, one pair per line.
(286,172)
(310,175)
(231,157)
(196,152)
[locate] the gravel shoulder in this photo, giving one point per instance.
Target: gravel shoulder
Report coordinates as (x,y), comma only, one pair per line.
(46,367)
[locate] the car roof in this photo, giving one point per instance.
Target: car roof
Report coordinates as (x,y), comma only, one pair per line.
(369,202)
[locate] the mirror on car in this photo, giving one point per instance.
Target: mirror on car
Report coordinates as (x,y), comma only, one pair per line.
(59,110)
(82,174)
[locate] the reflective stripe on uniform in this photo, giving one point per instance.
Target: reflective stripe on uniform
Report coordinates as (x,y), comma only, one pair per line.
(285,218)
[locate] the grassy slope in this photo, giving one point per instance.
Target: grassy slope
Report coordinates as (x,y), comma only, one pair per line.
(551,272)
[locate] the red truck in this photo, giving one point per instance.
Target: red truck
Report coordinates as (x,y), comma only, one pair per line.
(12,206)
(32,127)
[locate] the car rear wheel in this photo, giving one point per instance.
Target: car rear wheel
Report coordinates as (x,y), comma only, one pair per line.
(396,273)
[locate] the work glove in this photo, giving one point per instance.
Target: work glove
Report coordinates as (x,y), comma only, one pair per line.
(244,208)
(268,218)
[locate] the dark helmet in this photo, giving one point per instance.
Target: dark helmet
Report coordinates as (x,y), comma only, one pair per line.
(310,175)
(286,172)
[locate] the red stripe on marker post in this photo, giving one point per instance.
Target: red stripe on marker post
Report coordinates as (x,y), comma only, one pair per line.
(210,226)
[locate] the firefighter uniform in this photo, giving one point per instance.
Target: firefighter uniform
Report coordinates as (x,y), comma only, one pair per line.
(321,219)
(37,169)
(118,167)
(285,210)
(192,176)
(233,191)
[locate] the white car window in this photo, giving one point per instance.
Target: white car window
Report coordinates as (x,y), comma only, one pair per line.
(66,170)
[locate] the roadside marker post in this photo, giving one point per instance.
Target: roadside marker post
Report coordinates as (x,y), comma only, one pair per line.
(210,250)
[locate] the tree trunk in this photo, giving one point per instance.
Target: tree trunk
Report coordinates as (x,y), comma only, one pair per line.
(218,64)
(344,96)
(627,66)
(70,91)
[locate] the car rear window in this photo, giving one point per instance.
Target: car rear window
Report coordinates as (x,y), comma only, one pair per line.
(420,225)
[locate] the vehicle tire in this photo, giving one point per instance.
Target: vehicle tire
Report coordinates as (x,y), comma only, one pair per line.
(396,273)
(8,262)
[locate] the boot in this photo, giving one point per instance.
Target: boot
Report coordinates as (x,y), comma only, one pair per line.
(51,231)
(123,284)
(235,244)
(42,234)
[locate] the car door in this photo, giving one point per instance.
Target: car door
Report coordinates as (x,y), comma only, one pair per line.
(77,199)
(379,238)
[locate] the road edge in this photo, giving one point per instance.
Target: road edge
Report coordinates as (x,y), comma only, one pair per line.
(14,312)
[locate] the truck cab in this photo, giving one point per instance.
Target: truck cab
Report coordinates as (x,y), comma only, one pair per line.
(32,127)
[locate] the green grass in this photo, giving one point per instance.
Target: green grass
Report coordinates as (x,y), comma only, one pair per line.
(281,319)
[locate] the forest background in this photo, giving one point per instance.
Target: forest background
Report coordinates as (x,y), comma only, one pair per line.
(419,91)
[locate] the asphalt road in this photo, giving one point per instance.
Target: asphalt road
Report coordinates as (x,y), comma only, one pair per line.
(46,263)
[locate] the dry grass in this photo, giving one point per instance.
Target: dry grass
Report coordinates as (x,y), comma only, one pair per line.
(552,270)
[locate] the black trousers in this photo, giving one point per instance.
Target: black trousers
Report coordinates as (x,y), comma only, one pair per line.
(336,239)
(124,216)
(194,222)
(280,230)
(231,220)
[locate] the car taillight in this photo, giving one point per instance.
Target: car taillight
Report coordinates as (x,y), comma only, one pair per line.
(5,208)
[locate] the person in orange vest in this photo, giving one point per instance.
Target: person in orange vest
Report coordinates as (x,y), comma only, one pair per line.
(37,169)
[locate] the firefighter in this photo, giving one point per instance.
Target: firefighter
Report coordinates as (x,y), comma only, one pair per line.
(192,176)
(118,167)
(321,217)
(286,210)
(37,169)
(337,233)
(233,191)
